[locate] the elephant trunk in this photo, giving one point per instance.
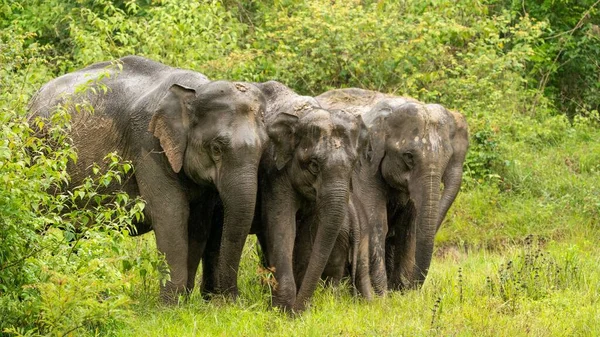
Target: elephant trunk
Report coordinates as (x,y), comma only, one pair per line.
(332,204)
(452,181)
(427,207)
(237,190)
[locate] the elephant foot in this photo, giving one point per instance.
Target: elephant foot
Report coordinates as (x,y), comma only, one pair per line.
(231,293)
(171,294)
(299,307)
(284,298)
(283,306)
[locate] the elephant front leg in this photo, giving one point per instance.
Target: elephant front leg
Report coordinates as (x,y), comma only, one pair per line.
(403,244)
(170,227)
(363,274)
(302,247)
(210,259)
(279,213)
(167,209)
(199,230)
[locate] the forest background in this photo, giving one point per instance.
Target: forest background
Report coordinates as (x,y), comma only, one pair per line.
(518,253)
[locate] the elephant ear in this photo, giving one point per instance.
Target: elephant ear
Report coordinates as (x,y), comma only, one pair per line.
(452,177)
(281,132)
(376,121)
(170,123)
(363,147)
(376,144)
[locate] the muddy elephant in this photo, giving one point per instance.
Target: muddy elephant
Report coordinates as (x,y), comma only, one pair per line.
(304,180)
(193,142)
(415,149)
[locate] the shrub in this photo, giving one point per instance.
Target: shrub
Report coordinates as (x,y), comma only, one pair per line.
(63,265)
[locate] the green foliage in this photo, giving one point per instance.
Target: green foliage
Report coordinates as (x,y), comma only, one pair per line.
(565,65)
(525,74)
(63,265)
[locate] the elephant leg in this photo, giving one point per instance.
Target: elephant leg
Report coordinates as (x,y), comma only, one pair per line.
(302,248)
(389,259)
(279,218)
(337,264)
(167,207)
(377,260)
(363,279)
(404,248)
(199,228)
(210,258)
(373,215)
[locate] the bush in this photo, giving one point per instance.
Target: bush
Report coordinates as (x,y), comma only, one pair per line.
(63,264)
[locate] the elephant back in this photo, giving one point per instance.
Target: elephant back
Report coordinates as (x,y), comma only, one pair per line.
(282,99)
(354,100)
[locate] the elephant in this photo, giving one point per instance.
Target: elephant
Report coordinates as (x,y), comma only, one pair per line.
(304,181)
(193,143)
(414,149)
(350,256)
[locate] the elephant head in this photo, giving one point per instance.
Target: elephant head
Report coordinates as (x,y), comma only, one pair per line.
(214,134)
(310,162)
(416,148)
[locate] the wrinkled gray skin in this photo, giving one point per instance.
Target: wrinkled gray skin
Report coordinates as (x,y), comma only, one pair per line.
(304,181)
(191,141)
(351,254)
(415,148)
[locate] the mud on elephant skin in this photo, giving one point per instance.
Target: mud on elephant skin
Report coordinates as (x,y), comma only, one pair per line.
(415,148)
(191,141)
(306,170)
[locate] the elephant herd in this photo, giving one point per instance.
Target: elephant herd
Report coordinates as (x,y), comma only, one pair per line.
(349,184)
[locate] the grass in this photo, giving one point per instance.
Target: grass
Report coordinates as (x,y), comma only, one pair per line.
(513,292)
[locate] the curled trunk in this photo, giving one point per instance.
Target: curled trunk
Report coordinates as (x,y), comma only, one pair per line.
(452,181)
(332,209)
(426,224)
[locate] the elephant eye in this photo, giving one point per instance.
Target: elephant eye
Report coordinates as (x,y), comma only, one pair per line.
(408,159)
(313,167)
(215,149)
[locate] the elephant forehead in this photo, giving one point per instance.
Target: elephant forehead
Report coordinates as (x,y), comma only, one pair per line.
(245,133)
(316,124)
(424,138)
(317,116)
(435,114)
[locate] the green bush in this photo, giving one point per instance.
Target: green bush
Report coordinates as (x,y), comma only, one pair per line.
(63,262)
(526,82)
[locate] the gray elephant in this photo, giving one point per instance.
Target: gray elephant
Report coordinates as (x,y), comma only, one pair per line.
(193,143)
(350,257)
(415,148)
(304,178)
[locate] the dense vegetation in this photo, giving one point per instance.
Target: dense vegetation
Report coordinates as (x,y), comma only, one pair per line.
(517,255)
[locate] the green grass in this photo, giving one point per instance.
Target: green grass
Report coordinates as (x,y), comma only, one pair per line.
(461,297)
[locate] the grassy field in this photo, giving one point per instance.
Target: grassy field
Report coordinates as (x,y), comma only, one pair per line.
(518,253)
(525,289)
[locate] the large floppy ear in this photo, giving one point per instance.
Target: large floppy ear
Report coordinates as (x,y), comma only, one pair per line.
(170,123)
(452,177)
(281,132)
(376,150)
